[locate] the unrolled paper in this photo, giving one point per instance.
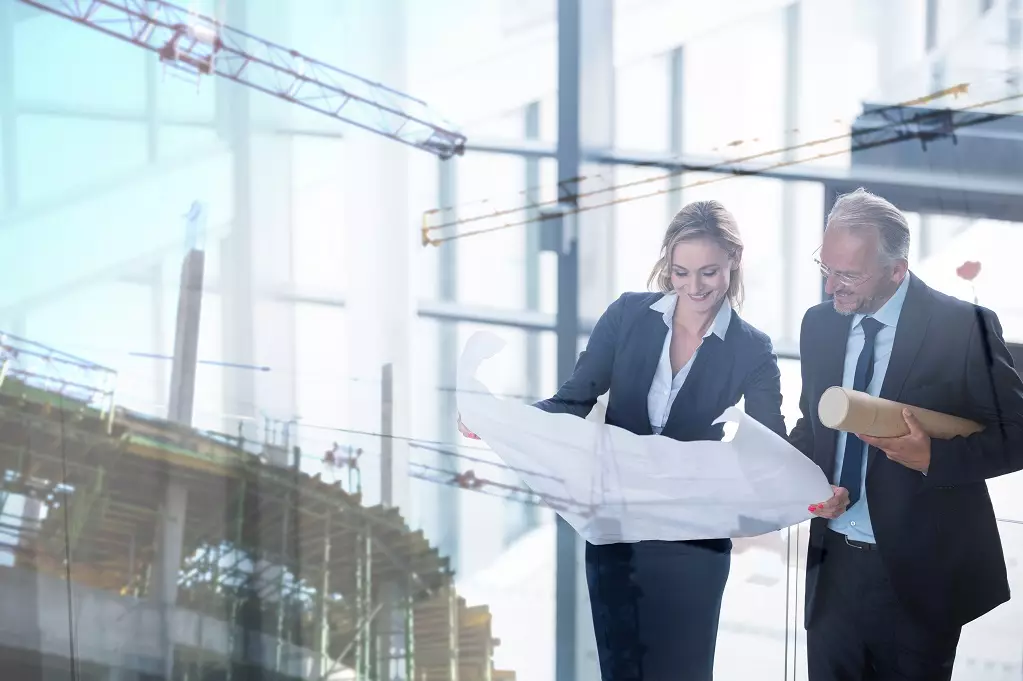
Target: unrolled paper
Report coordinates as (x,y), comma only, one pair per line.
(612,486)
(857,412)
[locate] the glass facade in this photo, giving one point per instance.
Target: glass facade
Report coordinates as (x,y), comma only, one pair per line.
(292,499)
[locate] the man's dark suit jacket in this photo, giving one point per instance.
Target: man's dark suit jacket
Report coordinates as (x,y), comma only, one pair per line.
(936,534)
(622,355)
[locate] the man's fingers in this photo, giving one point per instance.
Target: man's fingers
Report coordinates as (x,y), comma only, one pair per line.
(879,442)
(911,422)
(895,456)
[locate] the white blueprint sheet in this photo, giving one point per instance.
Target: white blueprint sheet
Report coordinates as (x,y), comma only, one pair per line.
(613,486)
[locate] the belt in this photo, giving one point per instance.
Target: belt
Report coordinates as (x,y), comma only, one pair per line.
(859,545)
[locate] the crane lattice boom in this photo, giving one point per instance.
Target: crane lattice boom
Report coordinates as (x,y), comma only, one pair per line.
(202,46)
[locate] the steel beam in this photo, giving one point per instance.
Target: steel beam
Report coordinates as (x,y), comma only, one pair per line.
(566,635)
(529,516)
(676,123)
(585,118)
(1013,43)
(448,501)
(790,116)
(527,320)
(830,196)
(901,180)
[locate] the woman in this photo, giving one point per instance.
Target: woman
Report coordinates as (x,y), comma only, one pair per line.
(673,361)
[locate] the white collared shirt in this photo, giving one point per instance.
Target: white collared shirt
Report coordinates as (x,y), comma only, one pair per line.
(664,388)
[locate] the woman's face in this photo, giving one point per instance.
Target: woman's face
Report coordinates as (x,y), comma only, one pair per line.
(701,272)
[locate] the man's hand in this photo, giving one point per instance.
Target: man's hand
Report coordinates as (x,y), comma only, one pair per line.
(833,507)
(912,450)
(465,431)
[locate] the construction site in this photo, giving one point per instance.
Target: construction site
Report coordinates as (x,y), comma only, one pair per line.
(149,537)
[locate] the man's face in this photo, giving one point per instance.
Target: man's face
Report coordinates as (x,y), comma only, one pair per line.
(856,277)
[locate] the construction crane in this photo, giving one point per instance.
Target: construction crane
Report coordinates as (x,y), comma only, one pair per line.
(594,192)
(201,46)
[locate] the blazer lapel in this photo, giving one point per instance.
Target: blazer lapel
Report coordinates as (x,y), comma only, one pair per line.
(652,331)
(831,361)
(707,359)
(909,336)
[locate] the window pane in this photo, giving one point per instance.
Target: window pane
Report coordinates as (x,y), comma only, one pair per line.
(723,87)
(490,265)
(640,226)
(317,213)
(57,154)
(504,548)
(641,105)
(323,383)
(60,63)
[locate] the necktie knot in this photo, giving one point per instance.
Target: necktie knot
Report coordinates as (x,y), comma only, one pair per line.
(870,328)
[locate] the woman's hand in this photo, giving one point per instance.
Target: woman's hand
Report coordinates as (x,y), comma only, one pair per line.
(833,507)
(465,431)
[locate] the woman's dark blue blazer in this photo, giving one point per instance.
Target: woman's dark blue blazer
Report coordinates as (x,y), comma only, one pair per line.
(622,356)
(656,605)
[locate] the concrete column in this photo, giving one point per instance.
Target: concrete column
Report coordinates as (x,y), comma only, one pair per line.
(233,121)
(257,260)
(171,530)
(258,328)
(381,236)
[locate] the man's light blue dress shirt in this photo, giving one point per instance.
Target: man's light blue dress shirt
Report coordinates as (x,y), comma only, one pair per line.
(855,522)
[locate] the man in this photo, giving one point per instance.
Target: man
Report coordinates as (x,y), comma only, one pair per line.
(907,550)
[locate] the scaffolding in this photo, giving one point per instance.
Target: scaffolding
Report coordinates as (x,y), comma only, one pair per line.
(269,552)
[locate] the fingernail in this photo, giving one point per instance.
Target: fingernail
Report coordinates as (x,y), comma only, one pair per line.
(811,508)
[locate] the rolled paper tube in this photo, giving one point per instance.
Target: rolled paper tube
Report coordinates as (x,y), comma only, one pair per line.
(857,412)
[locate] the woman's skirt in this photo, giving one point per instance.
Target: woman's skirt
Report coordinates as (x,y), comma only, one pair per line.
(656,606)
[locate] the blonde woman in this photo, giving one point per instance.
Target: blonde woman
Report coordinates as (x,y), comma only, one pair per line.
(673,361)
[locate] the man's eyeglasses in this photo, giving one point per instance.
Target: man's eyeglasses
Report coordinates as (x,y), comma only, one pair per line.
(842,277)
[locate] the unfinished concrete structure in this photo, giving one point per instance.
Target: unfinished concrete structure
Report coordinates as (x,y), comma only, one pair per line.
(141,548)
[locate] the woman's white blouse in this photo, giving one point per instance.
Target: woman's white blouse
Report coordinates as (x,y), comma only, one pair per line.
(664,388)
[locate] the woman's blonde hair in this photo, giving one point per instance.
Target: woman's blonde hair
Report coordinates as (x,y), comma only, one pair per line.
(702,220)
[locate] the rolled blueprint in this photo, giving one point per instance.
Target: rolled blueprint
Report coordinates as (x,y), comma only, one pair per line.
(612,485)
(857,412)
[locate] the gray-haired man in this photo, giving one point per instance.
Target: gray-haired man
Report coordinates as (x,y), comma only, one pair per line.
(907,550)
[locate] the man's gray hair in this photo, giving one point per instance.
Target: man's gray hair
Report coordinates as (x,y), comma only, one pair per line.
(859,210)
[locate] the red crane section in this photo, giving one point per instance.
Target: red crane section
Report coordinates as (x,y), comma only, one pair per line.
(201,46)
